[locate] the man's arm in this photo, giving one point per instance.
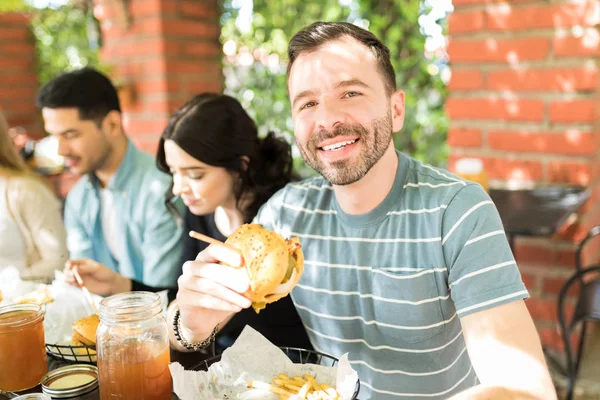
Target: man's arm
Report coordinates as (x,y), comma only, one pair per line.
(488,292)
(79,243)
(506,354)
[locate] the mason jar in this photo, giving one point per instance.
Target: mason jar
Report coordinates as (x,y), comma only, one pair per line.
(23,361)
(132,344)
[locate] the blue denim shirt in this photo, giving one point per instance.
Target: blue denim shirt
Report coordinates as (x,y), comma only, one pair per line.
(149,236)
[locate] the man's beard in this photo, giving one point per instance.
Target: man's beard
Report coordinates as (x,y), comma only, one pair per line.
(374,140)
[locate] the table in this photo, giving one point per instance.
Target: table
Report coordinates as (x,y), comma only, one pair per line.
(539,211)
(187,360)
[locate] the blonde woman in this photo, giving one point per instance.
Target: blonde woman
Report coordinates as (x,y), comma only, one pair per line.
(32,234)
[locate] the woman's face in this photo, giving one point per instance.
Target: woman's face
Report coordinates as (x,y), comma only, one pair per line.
(202,187)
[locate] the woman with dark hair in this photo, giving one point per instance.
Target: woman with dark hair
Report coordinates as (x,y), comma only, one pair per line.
(223,172)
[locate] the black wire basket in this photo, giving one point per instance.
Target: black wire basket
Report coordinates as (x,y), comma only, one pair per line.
(72,354)
(297,355)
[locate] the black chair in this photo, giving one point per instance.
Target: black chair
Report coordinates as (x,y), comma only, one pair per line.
(587,309)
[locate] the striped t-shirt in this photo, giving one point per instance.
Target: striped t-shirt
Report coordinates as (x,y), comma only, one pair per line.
(388,287)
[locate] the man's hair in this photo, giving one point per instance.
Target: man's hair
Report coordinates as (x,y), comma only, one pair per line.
(317,34)
(91,92)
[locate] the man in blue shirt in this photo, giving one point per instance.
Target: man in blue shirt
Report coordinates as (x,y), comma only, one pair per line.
(115,215)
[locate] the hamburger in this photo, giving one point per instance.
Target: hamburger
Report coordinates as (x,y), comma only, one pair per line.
(274,265)
(84,333)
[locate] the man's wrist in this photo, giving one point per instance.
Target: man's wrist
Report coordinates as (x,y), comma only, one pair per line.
(191,343)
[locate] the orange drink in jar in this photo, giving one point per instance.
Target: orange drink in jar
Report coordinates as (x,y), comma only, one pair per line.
(471,169)
(23,361)
(133,348)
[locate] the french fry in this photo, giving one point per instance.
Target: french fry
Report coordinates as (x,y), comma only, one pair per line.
(299,379)
(313,382)
(305,387)
(304,390)
(268,387)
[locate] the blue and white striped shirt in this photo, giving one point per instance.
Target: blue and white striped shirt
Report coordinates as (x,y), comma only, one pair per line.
(388,287)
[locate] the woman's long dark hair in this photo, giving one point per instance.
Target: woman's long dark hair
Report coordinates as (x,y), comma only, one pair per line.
(216,130)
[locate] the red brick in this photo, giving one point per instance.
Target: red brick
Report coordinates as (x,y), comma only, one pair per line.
(545,255)
(20,63)
(495,109)
(563,79)
(466,21)
(17,48)
(14,18)
(550,338)
(571,143)
(194,29)
(504,169)
(463,137)
(587,45)
(198,9)
(554,285)
(569,172)
(582,13)
(500,168)
(189,67)
(152,86)
(204,86)
(202,49)
(155,66)
(145,7)
(466,79)
(146,26)
(572,111)
(135,127)
(542,310)
(529,280)
(498,50)
(18,107)
(157,106)
(8,33)
(18,93)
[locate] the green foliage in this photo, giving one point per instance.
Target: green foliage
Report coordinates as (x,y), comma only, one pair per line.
(63,40)
(66,36)
(13,5)
(255,71)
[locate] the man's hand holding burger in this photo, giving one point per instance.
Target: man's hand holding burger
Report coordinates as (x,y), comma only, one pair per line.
(223,281)
(209,292)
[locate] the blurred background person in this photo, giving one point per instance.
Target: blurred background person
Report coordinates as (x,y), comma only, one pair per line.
(31,227)
(114,215)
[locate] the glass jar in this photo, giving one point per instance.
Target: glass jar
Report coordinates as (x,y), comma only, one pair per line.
(472,169)
(133,348)
(22,347)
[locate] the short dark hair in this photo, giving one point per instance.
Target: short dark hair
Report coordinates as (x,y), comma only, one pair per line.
(317,34)
(216,130)
(88,90)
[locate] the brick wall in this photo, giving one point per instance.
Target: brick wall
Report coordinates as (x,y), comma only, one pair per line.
(18,76)
(524,99)
(162,52)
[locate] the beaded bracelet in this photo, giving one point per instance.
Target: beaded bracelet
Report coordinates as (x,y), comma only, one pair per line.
(191,346)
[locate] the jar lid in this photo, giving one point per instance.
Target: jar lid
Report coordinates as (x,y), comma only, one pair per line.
(71,380)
